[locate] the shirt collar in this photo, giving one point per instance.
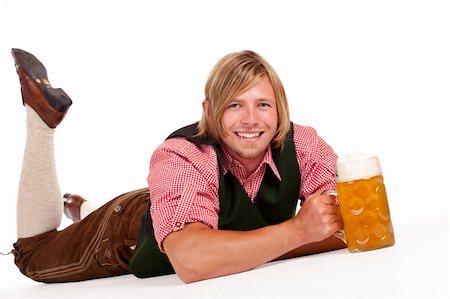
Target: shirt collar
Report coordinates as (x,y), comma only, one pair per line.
(229,162)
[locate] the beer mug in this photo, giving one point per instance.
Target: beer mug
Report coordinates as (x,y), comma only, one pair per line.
(363,202)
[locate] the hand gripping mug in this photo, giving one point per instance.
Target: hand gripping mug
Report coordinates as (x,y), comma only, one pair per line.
(363,202)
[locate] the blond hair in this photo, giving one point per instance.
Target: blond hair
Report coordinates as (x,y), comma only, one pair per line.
(231,76)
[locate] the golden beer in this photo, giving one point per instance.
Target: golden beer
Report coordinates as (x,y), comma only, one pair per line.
(363,203)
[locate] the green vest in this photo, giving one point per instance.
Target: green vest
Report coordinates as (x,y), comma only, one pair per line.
(275,202)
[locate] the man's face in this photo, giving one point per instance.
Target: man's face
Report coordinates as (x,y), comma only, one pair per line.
(250,122)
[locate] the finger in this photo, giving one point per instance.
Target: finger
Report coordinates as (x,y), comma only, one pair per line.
(339,224)
(334,200)
(334,210)
(331,200)
(333,194)
(330,192)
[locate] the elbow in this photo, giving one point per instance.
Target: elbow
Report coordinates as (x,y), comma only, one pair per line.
(188,277)
(190,271)
(185,265)
(188,257)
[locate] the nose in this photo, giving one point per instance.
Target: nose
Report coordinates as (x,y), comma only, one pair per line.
(250,116)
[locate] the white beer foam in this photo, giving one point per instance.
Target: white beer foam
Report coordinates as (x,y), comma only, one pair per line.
(356,166)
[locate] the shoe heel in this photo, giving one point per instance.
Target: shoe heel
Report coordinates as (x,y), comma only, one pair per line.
(60,101)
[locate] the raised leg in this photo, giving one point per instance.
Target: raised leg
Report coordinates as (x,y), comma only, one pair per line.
(39,204)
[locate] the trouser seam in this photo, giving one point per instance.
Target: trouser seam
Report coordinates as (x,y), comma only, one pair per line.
(88,254)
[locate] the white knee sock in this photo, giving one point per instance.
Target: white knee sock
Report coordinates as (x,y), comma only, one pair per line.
(39,202)
(87,208)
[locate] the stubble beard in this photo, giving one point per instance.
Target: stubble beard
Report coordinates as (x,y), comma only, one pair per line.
(249,152)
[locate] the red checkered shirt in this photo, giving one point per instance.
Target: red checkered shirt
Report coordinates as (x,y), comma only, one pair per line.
(184,179)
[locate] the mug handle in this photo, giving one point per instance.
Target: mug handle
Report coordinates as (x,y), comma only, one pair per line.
(340,234)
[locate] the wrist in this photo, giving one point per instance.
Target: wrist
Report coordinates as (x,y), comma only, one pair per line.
(296,234)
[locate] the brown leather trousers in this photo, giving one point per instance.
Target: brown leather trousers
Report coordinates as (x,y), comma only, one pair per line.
(100,245)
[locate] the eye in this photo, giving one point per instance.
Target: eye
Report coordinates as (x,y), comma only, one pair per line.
(265,105)
(234,106)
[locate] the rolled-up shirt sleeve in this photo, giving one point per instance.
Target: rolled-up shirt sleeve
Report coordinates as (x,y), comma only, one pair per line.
(316,160)
(183,183)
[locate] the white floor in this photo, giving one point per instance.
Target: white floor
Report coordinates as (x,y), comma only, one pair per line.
(369,75)
(417,266)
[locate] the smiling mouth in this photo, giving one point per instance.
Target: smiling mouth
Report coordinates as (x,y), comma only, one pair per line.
(249,135)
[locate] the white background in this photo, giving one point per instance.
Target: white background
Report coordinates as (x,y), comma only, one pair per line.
(368,75)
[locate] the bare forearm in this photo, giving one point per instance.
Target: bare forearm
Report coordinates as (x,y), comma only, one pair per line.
(331,243)
(198,252)
(212,253)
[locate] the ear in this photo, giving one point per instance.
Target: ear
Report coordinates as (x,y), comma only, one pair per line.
(205,105)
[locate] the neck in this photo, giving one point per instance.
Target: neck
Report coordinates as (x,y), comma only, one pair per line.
(250,165)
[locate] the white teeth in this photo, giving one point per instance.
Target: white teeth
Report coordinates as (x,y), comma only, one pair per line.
(248,135)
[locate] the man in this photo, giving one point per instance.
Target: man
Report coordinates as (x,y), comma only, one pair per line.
(222,193)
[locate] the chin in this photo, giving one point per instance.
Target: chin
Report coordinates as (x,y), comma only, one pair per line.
(251,155)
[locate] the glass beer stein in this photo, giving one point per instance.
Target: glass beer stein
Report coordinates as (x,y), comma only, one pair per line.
(363,203)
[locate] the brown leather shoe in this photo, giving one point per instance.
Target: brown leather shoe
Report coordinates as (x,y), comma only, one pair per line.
(72,205)
(50,103)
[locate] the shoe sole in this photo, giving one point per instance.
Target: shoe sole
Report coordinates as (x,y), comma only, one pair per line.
(35,70)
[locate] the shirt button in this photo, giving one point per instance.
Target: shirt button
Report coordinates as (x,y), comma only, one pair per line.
(178,224)
(117,209)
